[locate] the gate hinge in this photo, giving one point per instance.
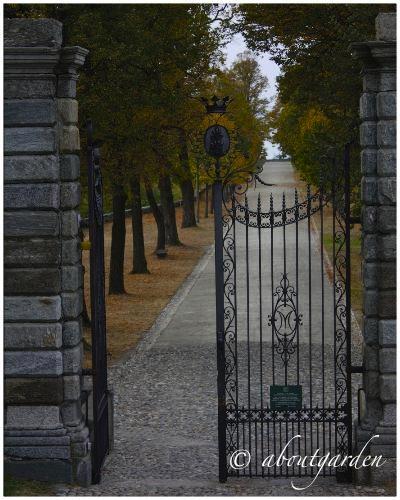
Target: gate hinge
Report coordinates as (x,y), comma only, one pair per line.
(357,369)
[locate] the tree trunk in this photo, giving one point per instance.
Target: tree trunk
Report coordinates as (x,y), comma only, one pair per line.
(168,209)
(189,214)
(139,257)
(206,203)
(197,195)
(158,217)
(116,278)
(186,184)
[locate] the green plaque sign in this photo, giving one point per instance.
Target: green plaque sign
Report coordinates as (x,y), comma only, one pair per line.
(286,397)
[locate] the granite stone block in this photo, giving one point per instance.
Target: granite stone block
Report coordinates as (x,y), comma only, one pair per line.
(34,363)
(38,309)
(25,169)
(32,336)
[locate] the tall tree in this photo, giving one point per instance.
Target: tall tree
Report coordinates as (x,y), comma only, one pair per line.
(168,209)
(139,256)
(116,280)
(158,216)
(247,113)
(146,64)
(318,91)
(186,183)
(249,81)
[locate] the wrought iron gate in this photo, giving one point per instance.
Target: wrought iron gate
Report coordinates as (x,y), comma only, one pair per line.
(284,325)
(100,439)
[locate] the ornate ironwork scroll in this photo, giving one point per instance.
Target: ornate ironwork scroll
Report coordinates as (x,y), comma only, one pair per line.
(230,329)
(341,234)
(285,320)
(281,349)
(278,218)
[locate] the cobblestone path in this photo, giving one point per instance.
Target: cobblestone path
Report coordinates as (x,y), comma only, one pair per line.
(166,434)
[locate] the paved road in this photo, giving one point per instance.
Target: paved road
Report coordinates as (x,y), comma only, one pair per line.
(183,330)
(165,392)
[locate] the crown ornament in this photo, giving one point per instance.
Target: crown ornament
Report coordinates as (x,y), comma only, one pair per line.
(217,105)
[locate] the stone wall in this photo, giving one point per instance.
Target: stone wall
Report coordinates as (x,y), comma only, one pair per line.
(378,164)
(45,434)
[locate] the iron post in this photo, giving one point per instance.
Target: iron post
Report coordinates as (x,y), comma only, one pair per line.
(101,435)
(219,296)
(217,144)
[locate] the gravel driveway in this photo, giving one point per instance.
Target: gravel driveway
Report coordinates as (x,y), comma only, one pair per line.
(166,433)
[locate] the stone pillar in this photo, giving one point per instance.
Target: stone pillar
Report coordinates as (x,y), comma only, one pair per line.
(378,164)
(45,433)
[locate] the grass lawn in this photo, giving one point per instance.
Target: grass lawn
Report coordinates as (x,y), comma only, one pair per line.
(355,257)
(14,487)
(130,315)
(355,251)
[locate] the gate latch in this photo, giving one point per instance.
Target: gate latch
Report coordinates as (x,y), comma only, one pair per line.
(357,369)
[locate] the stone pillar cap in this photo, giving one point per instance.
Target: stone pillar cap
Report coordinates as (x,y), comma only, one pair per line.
(378,52)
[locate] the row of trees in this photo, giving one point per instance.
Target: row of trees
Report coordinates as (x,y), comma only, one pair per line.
(147,69)
(316,110)
(149,65)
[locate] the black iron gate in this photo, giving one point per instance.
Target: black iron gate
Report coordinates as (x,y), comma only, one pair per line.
(284,326)
(100,438)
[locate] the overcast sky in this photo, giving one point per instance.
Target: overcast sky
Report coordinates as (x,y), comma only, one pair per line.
(268,68)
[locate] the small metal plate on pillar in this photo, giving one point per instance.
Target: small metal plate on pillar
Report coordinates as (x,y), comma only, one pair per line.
(286,397)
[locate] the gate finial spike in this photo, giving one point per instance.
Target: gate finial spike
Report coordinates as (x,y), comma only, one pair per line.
(246,202)
(283,201)
(271,202)
(296,196)
(308,190)
(259,203)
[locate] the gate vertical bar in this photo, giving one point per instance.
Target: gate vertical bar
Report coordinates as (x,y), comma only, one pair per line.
(348,295)
(272,219)
(248,325)
(296,203)
(310,319)
(322,250)
(261,328)
(334,289)
(236,327)
(219,301)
